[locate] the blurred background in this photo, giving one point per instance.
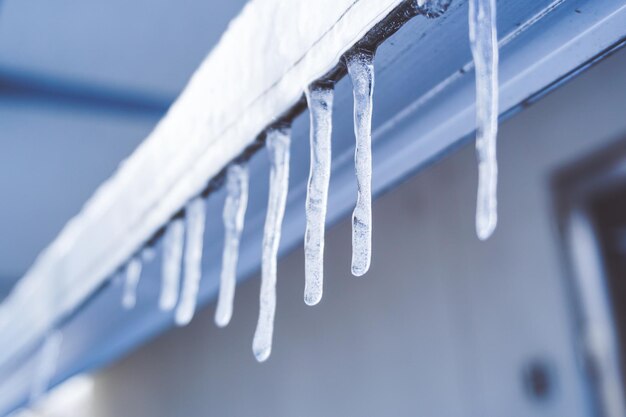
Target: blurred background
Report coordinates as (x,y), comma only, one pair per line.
(530,322)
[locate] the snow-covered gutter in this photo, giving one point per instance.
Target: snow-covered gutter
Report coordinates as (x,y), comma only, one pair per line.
(255,75)
(253,78)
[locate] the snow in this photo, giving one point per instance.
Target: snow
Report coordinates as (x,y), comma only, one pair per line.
(220,112)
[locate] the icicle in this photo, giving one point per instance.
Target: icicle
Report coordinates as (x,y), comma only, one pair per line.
(148,254)
(361,70)
(484,45)
(131,280)
(234,212)
(320,102)
(278,141)
(195,216)
(172,257)
(46,365)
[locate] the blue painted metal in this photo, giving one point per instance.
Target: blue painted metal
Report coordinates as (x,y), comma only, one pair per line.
(423,109)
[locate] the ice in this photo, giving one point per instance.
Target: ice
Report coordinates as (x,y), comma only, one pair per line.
(432,8)
(46,365)
(195,217)
(228,100)
(361,70)
(484,45)
(172,258)
(131,280)
(225,104)
(278,141)
(320,102)
(148,254)
(237,178)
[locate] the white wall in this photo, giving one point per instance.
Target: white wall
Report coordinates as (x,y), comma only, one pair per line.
(442,325)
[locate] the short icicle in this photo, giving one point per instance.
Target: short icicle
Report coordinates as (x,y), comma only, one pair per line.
(195,217)
(172,261)
(278,142)
(320,102)
(132,274)
(148,254)
(484,45)
(361,69)
(46,365)
(237,178)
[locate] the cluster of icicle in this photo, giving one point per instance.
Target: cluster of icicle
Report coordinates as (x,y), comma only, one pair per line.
(183,238)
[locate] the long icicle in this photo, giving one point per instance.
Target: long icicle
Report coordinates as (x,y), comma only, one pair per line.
(320,103)
(237,178)
(172,258)
(195,217)
(484,45)
(46,365)
(131,280)
(278,141)
(361,69)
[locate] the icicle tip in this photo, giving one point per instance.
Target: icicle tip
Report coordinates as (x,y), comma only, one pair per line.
(183,317)
(484,229)
(262,353)
(360,270)
(312,298)
(222,321)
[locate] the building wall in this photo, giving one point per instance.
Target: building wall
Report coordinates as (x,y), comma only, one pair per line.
(442,325)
